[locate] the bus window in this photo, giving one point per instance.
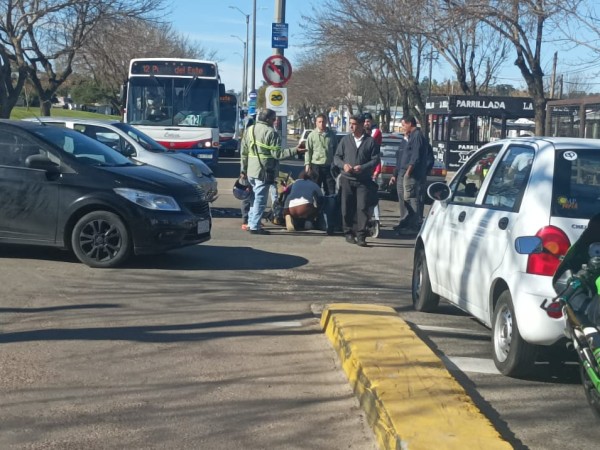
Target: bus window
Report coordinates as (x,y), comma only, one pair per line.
(437,128)
(483,129)
(592,124)
(460,128)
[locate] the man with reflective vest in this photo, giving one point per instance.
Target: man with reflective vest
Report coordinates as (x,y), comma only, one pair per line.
(260,151)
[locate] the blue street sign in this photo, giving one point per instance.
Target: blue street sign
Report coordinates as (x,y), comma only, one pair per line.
(252,96)
(279,36)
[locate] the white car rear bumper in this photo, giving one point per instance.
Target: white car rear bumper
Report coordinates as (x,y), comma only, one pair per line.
(535,326)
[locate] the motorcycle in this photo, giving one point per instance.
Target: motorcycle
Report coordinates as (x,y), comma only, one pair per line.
(577,285)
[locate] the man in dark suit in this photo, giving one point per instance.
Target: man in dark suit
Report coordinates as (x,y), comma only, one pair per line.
(356,156)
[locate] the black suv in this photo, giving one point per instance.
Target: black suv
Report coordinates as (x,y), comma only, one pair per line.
(60,188)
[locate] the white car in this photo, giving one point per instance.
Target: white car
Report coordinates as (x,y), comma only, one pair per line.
(465,251)
(134,144)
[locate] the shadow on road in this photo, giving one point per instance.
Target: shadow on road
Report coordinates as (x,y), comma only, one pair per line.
(214,257)
(198,257)
(59,308)
(170,333)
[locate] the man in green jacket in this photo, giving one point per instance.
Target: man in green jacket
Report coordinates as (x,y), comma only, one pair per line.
(261,149)
(320,147)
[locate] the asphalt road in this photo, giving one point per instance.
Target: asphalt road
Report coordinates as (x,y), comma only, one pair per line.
(218,346)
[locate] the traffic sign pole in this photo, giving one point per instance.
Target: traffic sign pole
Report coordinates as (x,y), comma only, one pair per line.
(279,20)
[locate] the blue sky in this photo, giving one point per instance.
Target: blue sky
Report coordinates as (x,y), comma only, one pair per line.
(211,23)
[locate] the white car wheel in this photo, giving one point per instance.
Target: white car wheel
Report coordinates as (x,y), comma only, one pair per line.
(512,355)
(424,299)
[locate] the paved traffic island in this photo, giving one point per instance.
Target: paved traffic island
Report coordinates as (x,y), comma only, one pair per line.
(411,400)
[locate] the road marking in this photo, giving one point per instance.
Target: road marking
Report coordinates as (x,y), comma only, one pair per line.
(453,330)
(462,363)
(288,324)
(473,365)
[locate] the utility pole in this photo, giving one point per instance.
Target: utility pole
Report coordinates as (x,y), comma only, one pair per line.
(560,84)
(246,45)
(280,18)
(553,79)
(244,72)
(254,46)
(430,72)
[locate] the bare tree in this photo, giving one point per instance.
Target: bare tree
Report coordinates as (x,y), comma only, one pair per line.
(576,85)
(318,84)
(43,38)
(523,23)
(583,28)
(108,51)
(386,37)
(377,36)
(471,48)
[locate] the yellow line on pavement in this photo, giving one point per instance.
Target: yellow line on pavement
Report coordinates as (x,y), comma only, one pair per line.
(411,400)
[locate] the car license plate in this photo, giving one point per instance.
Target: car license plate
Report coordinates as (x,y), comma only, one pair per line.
(203,226)
(202,156)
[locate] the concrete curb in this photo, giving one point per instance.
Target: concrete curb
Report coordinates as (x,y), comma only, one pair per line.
(410,399)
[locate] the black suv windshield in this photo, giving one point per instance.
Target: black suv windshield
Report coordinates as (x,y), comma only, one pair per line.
(576,186)
(84,149)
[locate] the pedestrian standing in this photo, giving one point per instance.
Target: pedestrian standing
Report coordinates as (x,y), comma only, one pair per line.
(261,150)
(409,175)
(273,194)
(246,203)
(373,130)
(356,156)
(320,148)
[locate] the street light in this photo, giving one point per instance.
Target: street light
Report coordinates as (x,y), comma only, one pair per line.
(245,71)
(245,83)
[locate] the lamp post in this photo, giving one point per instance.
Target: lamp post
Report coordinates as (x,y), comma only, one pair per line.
(244,72)
(254,46)
(245,83)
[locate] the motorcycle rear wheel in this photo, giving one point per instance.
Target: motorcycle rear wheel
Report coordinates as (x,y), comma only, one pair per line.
(591,394)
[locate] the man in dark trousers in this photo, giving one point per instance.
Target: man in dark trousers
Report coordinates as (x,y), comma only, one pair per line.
(356,156)
(410,170)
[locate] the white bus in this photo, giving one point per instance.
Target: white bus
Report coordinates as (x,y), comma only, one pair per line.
(229,124)
(176,102)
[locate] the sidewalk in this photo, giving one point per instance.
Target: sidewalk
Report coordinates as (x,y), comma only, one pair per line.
(410,399)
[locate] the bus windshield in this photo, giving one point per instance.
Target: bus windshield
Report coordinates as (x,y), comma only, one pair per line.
(184,102)
(228,116)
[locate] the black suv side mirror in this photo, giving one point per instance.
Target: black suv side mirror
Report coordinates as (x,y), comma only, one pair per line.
(42,162)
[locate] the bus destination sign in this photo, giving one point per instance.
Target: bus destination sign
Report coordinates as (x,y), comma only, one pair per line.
(171,68)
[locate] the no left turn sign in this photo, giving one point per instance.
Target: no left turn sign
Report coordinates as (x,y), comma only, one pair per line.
(277,70)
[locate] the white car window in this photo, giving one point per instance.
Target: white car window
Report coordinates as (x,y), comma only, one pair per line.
(509,180)
(576,183)
(466,186)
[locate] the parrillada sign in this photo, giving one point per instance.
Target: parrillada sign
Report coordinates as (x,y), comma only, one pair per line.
(509,107)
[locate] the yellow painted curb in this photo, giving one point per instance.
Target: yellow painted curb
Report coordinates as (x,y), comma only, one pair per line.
(411,400)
